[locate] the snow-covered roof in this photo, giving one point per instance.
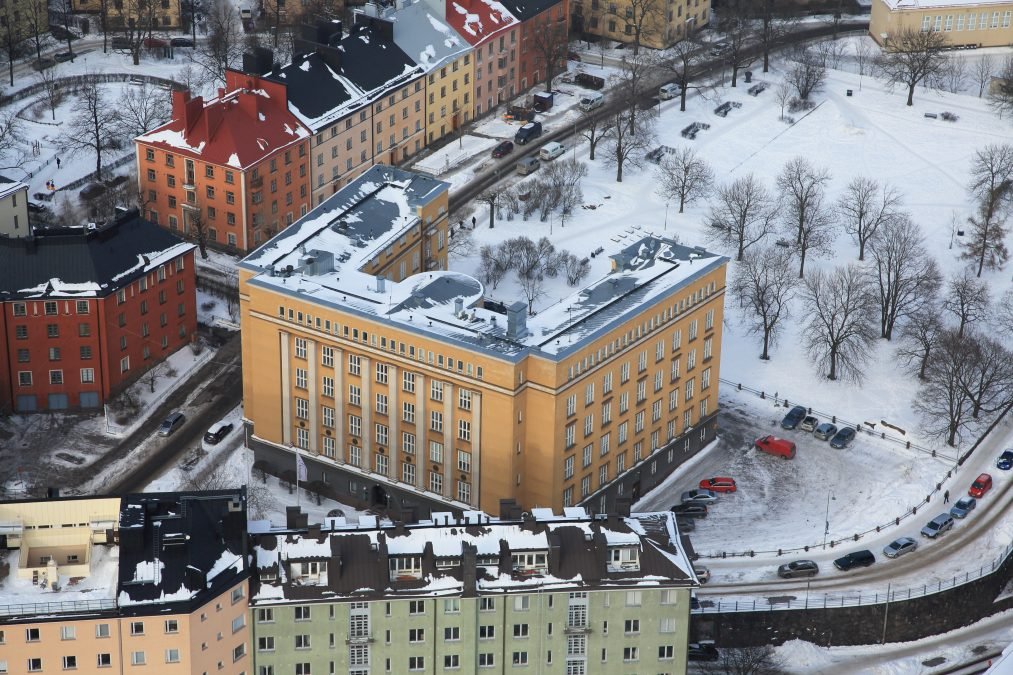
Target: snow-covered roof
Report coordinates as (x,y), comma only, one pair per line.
(85,262)
(425,36)
(323,256)
(9,186)
(940,4)
(573,551)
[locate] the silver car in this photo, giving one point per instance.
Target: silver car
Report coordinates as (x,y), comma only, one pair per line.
(699,497)
(935,527)
(899,547)
(798,569)
(963,506)
(825,431)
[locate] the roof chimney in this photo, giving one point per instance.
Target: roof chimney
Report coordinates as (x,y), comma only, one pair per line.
(381,284)
(458,306)
(517,322)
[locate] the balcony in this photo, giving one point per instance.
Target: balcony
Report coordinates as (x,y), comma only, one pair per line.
(577,630)
(257,182)
(361,639)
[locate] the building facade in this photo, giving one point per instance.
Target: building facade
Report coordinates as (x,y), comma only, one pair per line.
(660,24)
(552,593)
(111,585)
(963,24)
(86,312)
(402,387)
(13,209)
(233,170)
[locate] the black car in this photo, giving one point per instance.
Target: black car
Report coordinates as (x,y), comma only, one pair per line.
(794,417)
(217,432)
(685,524)
(181,42)
(842,438)
(63,57)
(855,559)
(1005,461)
(696,651)
(690,510)
(503,149)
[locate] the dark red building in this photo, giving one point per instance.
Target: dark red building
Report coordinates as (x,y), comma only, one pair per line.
(87,311)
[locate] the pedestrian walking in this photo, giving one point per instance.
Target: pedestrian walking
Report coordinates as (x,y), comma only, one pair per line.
(946,497)
(57,162)
(473,222)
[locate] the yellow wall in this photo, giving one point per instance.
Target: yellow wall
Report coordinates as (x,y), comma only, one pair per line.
(667,22)
(448,97)
(953,22)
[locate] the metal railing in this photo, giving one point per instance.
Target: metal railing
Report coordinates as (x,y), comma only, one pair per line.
(65,607)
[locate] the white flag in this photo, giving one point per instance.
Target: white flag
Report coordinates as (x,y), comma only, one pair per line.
(300,468)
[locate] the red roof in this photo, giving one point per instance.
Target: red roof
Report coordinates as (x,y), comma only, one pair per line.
(237,129)
(478,20)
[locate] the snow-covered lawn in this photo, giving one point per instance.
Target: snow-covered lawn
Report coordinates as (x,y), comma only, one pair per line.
(455,153)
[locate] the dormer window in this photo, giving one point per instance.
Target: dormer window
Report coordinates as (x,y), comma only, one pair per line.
(447,563)
(530,563)
(309,573)
(488,561)
(624,559)
(405,567)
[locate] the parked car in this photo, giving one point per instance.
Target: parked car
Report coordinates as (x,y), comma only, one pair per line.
(798,569)
(685,524)
(217,432)
(938,525)
(809,423)
(502,150)
(776,446)
(155,42)
(669,91)
(592,100)
(43,63)
(980,486)
(719,48)
(963,507)
(171,423)
(63,57)
(696,651)
(527,165)
(119,42)
(855,559)
(825,431)
(528,132)
(842,438)
(1005,461)
(718,484)
(899,547)
(699,497)
(702,573)
(181,42)
(550,151)
(793,418)
(690,510)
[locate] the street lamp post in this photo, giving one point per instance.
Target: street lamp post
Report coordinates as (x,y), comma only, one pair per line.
(826,529)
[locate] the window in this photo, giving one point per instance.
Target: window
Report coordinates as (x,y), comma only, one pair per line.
(302,613)
(354,395)
(408,382)
(631,653)
(520,658)
(436,389)
(451,661)
(354,364)
(634,598)
(464,430)
(486,660)
(487,604)
(102,630)
(381,373)
(571,405)
(172,656)
(452,606)
(104,660)
(137,658)
(265,644)
(417,607)
(417,635)
(666,652)
(265,615)
(34,665)
(302,641)
(68,633)
(520,630)
(137,628)
(416,663)
(631,626)
(568,467)
(436,420)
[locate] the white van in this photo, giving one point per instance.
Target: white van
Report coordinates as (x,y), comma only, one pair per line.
(551,150)
(668,91)
(592,100)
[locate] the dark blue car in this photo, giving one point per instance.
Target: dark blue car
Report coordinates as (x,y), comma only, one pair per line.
(842,438)
(794,417)
(1005,460)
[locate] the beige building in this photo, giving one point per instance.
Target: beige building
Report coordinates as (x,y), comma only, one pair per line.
(13,209)
(963,24)
(131,585)
(661,24)
(402,384)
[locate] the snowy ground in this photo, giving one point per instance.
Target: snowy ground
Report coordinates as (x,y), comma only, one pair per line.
(454,154)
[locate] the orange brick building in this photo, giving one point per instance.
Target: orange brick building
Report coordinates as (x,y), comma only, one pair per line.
(233,170)
(84,313)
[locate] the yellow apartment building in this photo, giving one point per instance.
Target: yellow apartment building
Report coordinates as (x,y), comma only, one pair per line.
(129,585)
(403,386)
(963,24)
(661,24)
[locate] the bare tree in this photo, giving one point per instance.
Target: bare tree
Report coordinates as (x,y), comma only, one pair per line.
(764,283)
(197,227)
(830,51)
(776,19)
(564,177)
(987,375)
(64,10)
(912,57)
(533,262)
(990,185)
(492,266)
(951,77)
(623,147)
(864,208)
(802,187)
(642,19)
(986,243)
(751,661)
(740,32)
(982,72)
(685,176)
(460,242)
(817,232)
(490,197)
(141,109)
(575,269)
(51,92)
(807,74)
(942,403)
(905,277)
(224,45)
(596,127)
(36,16)
(12,152)
(839,334)
(631,83)
(12,34)
(1002,319)
(276,13)
(92,128)
(743,214)
(683,59)
(783,93)
(150,377)
(550,43)
(1000,92)
(967,299)
(863,55)
(919,337)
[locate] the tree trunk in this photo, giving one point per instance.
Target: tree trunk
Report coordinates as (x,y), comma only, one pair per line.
(861,249)
(951,440)
(619,171)
(911,94)
(735,74)
(682,94)
(682,202)
(10,62)
(984,246)
(925,364)
(833,365)
(765,356)
(801,265)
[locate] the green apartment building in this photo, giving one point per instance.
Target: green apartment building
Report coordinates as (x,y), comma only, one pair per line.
(543,593)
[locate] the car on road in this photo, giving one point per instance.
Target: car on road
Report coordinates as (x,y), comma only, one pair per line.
(809,423)
(171,423)
(825,431)
(963,507)
(702,573)
(899,547)
(798,569)
(1005,461)
(155,42)
(699,497)
(550,151)
(842,438)
(502,150)
(719,48)
(776,446)
(793,418)
(528,132)
(43,63)
(938,525)
(63,57)
(181,42)
(697,651)
(855,559)
(718,484)
(690,510)
(669,91)
(217,432)
(980,486)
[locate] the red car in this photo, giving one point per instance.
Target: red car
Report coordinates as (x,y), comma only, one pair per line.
(980,486)
(773,445)
(718,484)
